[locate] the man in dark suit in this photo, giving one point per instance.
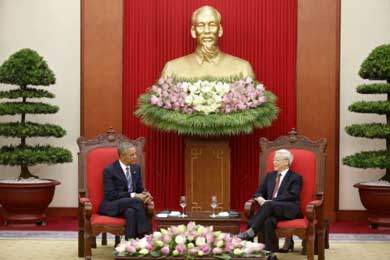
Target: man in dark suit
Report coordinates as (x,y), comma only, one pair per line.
(279,199)
(124,194)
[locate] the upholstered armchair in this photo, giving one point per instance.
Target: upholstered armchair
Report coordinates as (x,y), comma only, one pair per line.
(94,155)
(309,162)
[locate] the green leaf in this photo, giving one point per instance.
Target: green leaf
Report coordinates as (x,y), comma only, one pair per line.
(30,129)
(200,124)
(377,107)
(26,93)
(223,256)
(26,67)
(32,155)
(369,159)
(13,108)
(377,65)
(375,88)
(372,130)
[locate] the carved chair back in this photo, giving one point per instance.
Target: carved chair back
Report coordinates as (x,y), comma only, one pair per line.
(309,162)
(95,155)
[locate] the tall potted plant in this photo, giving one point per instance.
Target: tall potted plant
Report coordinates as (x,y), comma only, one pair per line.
(375,196)
(27,198)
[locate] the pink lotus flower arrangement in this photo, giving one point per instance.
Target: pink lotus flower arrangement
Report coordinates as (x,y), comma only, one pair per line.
(207,96)
(189,241)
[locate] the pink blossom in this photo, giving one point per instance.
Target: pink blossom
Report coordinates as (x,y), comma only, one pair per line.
(169,80)
(180,248)
(206,249)
(193,251)
(263,99)
(166,238)
(165,250)
(154,100)
(161,81)
(131,249)
(217,251)
(210,238)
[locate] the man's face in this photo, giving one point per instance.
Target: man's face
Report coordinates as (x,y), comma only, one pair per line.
(129,156)
(280,163)
(206,28)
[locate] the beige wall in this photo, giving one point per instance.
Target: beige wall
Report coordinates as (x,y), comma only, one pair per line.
(364,25)
(51,27)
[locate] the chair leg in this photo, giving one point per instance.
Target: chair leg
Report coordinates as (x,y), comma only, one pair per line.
(320,243)
(87,246)
(117,240)
(310,247)
(104,238)
(81,243)
(93,242)
(327,233)
(303,252)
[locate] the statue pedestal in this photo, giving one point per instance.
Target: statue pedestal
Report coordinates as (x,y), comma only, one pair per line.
(207,173)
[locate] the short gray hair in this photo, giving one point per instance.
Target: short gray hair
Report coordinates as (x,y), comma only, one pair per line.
(205,8)
(123,147)
(286,154)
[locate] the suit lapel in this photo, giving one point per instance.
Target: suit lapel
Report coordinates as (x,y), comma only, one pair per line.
(284,182)
(119,172)
(271,185)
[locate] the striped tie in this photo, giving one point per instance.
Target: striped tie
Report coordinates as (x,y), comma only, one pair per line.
(129,180)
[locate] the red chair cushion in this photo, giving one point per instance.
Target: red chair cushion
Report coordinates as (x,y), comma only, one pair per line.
(295,223)
(97,219)
(97,160)
(305,164)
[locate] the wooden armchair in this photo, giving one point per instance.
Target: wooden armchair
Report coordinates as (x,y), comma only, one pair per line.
(309,162)
(94,155)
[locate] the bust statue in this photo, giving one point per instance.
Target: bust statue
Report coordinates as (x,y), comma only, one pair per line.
(207,60)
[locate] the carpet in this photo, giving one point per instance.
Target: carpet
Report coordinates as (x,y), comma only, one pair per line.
(11,249)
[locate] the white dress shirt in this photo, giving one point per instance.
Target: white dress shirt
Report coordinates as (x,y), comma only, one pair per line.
(281,179)
(123,166)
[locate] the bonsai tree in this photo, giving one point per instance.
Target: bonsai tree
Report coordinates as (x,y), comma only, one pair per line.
(375,67)
(26,70)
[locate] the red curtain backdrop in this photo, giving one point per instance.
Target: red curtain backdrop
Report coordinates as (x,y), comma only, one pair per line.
(260,31)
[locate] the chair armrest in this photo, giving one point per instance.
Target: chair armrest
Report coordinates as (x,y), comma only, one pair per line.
(83,200)
(318,203)
(310,212)
(150,208)
(250,207)
(82,193)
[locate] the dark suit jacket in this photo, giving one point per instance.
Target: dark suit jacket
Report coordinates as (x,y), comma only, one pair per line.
(289,190)
(115,187)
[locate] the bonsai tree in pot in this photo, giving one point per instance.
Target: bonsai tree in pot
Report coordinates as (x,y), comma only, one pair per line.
(26,69)
(375,196)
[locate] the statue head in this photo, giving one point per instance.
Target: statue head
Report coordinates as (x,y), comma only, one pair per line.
(206,27)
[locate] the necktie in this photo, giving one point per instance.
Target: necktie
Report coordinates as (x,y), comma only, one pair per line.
(129,180)
(277,182)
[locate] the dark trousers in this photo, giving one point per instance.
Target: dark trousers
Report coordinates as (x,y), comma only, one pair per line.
(266,218)
(137,223)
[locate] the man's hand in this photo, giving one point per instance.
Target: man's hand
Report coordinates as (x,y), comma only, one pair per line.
(260,200)
(144,196)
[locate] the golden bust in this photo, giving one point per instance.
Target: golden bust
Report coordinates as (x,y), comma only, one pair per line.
(207,60)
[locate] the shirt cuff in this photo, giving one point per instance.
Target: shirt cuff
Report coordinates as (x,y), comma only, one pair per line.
(132,195)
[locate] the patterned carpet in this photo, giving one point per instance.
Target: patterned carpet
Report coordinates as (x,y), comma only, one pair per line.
(38,245)
(57,249)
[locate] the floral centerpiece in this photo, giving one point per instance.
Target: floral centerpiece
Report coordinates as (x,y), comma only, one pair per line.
(207,107)
(190,241)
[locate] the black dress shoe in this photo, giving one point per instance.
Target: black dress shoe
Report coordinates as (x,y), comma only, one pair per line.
(272,257)
(245,236)
(288,246)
